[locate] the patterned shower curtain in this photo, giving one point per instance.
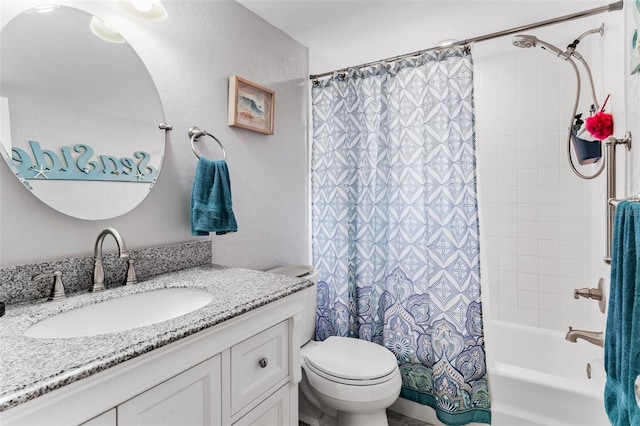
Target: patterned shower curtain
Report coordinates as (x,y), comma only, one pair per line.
(395,224)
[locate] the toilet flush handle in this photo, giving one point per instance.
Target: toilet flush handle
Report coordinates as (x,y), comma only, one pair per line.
(263,362)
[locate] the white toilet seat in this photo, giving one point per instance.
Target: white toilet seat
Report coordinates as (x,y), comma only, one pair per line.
(352,382)
(348,371)
(346,394)
(351,361)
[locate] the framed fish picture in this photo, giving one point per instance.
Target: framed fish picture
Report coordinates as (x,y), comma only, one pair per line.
(251,106)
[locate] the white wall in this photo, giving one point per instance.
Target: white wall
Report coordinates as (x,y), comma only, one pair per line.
(633,107)
(544,227)
(608,58)
(537,215)
(190,56)
(357,34)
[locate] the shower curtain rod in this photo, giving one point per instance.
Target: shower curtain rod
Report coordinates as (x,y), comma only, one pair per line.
(577,15)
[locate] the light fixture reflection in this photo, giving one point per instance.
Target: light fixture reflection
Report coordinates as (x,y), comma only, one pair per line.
(146,9)
(105,31)
(43,8)
(142,5)
(447,42)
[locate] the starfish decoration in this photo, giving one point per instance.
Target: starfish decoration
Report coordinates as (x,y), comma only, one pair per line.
(41,171)
(140,176)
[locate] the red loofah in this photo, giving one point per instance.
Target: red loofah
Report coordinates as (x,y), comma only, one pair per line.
(600,125)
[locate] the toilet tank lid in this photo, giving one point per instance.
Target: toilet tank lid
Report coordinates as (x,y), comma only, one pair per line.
(293,270)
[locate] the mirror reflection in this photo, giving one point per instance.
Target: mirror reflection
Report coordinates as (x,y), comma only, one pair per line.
(79,113)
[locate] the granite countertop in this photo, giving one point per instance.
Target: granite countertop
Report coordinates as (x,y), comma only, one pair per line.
(30,367)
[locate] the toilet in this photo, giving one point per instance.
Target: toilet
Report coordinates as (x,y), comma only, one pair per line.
(345,381)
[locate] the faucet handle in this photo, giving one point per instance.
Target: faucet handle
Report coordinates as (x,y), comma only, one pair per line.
(593,293)
(57,290)
(589,293)
(131,273)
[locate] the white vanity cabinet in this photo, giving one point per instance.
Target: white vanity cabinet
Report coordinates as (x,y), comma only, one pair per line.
(257,365)
(273,411)
(104,419)
(190,398)
(243,371)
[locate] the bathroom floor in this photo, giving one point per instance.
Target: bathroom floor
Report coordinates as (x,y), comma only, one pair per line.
(395,419)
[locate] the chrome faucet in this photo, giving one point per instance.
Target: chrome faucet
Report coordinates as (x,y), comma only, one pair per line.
(98,269)
(593,337)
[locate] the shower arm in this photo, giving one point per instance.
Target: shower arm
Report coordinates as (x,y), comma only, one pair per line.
(572,46)
(575,109)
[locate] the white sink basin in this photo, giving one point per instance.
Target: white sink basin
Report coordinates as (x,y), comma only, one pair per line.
(122,313)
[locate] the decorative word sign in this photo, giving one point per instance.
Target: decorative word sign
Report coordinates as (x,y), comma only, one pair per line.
(80,163)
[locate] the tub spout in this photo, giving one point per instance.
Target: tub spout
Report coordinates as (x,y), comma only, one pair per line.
(593,337)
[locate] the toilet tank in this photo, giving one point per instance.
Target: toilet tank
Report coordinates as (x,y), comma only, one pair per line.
(308,329)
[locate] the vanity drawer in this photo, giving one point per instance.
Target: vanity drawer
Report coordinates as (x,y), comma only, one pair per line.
(258,364)
(273,411)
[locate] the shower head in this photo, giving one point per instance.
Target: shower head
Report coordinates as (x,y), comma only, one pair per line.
(526,41)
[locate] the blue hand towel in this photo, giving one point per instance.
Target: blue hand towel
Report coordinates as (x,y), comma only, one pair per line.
(622,338)
(211,207)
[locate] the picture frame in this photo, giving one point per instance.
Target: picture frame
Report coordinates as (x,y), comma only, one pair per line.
(634,54)
(251,106)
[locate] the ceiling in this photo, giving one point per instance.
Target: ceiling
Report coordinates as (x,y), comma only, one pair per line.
(341,33)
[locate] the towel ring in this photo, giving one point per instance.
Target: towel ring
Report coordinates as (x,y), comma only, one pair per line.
(195,133)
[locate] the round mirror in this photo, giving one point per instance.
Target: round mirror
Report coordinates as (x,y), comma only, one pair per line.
(79,113)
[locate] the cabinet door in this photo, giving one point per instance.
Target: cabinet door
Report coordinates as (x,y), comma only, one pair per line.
(273,411)
(105,419)
(191,398)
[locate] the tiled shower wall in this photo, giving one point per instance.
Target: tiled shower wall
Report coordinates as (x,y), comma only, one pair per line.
(535,213)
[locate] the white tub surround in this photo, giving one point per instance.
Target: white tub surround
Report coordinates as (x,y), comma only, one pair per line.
(72,380)
(538,378)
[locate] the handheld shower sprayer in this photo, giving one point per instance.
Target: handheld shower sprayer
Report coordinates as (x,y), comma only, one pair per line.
(527,41)
(524,41)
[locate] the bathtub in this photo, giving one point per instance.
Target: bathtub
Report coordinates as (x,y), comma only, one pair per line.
(536,377)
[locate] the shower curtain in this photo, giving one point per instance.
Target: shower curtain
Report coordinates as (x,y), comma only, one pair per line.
(395,224)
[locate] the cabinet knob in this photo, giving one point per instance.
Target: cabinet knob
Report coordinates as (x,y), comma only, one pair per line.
(263,362)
